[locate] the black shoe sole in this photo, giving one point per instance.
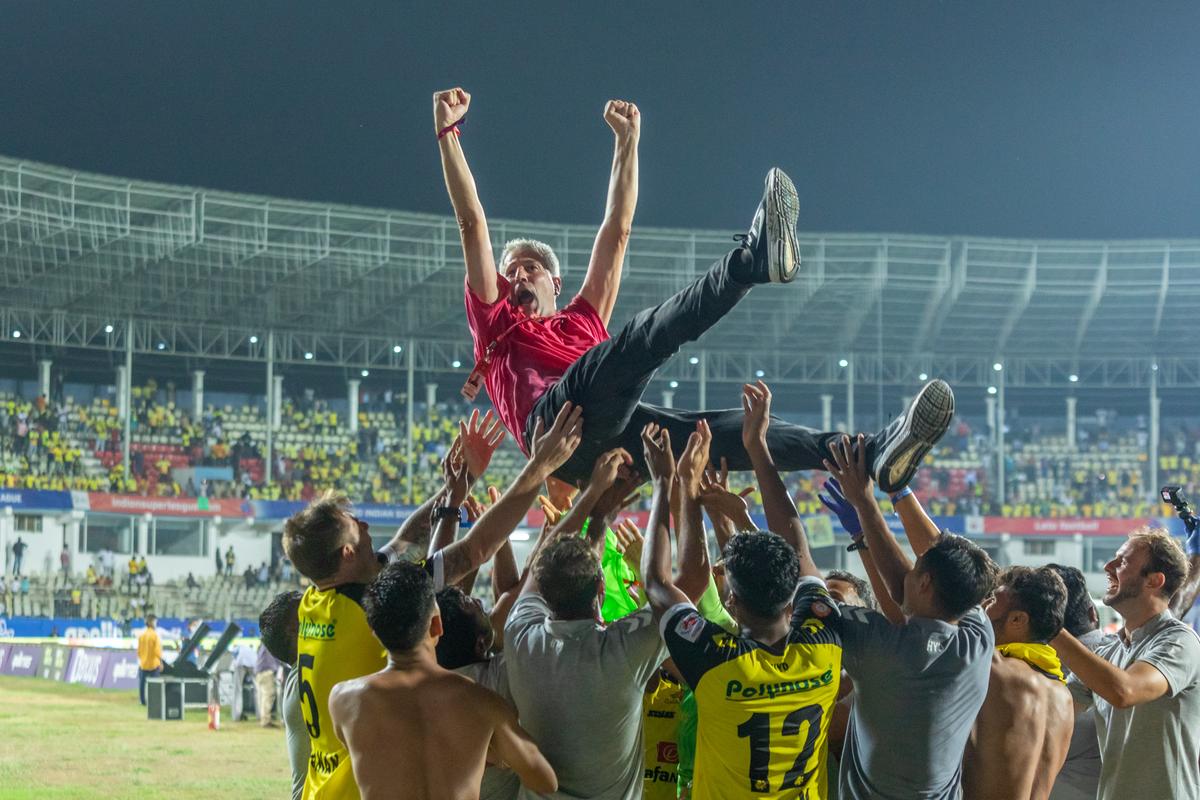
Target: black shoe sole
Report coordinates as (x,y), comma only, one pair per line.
(925,422)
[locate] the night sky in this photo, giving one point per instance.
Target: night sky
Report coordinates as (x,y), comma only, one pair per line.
(1048,119)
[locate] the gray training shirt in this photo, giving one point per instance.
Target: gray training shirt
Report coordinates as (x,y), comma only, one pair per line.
(918,688)
(577,686)
(1080,774)
(1151,750)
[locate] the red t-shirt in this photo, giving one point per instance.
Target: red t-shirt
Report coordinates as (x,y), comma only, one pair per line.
(533,355)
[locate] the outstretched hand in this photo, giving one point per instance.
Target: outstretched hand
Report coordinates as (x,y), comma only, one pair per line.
(694,459)
(552,448)
(835,500)
(624,118)
(849,467)
(480,438)
(756,403)
(608,468)
(716,497)
(656,447)
(455,475)
(449,107)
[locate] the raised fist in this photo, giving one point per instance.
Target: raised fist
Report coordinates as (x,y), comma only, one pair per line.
(449,107)
(624,118)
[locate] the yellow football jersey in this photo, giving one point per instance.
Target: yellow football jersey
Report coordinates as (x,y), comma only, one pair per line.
(335,645)
(660,723)
(763,714)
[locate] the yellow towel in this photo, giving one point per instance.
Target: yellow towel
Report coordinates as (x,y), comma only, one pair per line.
(1041,657)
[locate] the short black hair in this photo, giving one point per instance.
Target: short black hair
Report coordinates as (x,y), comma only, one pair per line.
(566,573)
(279,625)
(398,604)
(1078,618)
(763,570)
(861,587)
(963,574)
(456,648)
(1042,595)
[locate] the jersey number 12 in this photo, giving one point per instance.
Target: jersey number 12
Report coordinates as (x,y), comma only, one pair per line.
(758,730)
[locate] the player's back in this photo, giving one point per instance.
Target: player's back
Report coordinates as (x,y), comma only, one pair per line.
(763,711)
(1021,735)
(421,734)
(334,644)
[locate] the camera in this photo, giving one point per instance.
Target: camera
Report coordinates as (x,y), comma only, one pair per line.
(1174,496)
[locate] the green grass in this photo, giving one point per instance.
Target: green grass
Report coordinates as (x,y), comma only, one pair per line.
(66,742)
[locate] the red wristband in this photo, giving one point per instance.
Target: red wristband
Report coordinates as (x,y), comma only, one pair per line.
(450,128)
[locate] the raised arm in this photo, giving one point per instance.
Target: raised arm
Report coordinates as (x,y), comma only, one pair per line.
(921,531)
(603,278)
(850,468)
(661,590)
(835,500)
(694,569)
(551,449)
(782,517)
(1185,598)
(454,472)
(449,109)
(1122,688)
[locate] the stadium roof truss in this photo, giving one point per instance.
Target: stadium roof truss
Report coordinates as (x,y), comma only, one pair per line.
(207,273)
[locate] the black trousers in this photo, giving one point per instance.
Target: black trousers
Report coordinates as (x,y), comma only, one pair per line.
(609,379)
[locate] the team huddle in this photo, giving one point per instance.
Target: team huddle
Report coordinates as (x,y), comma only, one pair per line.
(622,664)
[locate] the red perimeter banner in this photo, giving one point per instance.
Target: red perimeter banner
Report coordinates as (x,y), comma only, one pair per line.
(1026,526)
(168,506)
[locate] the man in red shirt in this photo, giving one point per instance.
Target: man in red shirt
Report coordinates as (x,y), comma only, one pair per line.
(533,358)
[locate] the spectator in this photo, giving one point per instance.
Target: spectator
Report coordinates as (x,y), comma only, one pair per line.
(263,574)
(192,583)
(149,655)
(245,659)
(266,672)
(91,577)
(18,550)
(1143,688)
(64,560)
(220,563)
(142,569)
(229,559)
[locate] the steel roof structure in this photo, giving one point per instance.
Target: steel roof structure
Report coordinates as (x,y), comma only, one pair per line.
(85,259)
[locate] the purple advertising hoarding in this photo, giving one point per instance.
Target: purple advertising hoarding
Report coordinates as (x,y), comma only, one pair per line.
(87,667)
(23,659)
(120,670)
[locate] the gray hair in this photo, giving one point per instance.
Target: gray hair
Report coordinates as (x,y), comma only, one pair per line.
(540,250)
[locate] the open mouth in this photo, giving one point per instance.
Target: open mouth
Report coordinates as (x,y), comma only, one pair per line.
(522,296)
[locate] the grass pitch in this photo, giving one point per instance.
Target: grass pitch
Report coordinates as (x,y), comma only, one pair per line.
(65,742)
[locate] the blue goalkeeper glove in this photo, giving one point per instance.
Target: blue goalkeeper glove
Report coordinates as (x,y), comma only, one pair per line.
(837,503)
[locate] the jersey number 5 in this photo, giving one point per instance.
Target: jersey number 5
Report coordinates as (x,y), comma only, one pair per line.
(758,730)
(313,721)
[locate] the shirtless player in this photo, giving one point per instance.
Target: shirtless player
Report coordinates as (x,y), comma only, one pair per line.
(415,729)
(1022,733)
